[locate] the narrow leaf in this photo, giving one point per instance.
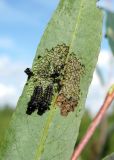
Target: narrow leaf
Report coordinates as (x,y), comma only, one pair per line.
(110,29)
(109,157)
(64,64)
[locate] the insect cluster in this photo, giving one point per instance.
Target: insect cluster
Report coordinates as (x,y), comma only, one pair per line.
(52,73)
(40,100)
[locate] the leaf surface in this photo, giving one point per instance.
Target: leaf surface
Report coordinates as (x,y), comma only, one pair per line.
(110,29)
(109,157)
(71,39)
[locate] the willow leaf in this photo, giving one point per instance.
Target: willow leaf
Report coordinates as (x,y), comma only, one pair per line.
(110,29)
(109,157)
(65,61)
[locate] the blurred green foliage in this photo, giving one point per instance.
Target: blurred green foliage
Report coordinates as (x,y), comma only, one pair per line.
(109,157)
(102,142)
(110,29)
(5,116)
(109,145)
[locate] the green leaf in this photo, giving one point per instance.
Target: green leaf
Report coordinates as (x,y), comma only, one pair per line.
(70,46)
(110,29)
(109,157)
(5,116)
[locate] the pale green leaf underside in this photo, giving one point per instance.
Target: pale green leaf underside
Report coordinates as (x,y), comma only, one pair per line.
(110,157)
(78,24)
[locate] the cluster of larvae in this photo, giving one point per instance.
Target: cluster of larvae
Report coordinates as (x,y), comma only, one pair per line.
(59,71)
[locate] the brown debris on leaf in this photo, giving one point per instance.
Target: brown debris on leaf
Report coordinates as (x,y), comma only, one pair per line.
(66,105)
(69,94)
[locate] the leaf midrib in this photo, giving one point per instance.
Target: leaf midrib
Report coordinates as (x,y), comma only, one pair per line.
(52,111)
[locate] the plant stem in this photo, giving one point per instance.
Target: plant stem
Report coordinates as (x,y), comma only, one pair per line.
(96,121)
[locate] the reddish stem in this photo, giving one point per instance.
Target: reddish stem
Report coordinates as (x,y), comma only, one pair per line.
(109,98)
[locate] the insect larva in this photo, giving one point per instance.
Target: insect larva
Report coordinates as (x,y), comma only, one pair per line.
(35,100)
(28,72)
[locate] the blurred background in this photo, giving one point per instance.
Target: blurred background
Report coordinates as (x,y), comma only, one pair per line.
(22,24)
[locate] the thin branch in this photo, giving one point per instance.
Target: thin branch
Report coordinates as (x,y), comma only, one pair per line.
(96,121)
